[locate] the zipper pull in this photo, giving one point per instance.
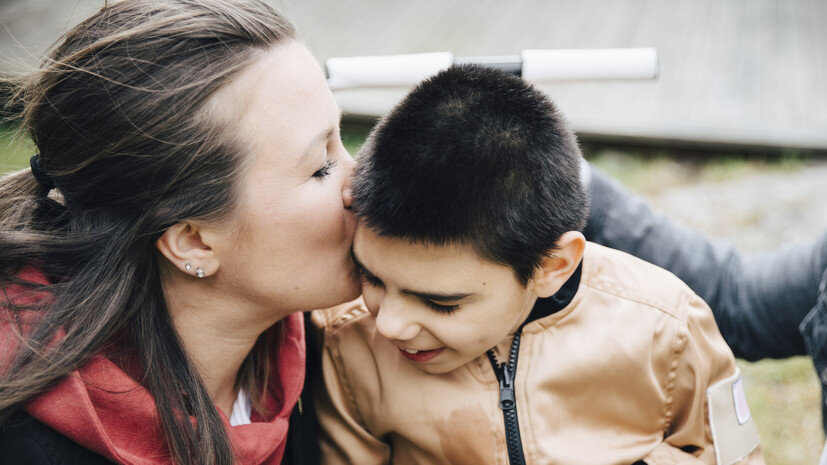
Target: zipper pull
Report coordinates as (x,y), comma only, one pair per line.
(507,399)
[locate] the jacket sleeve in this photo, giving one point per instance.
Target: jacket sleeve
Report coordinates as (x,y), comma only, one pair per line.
(708,420)
(758,300)
(667,454)
(26,441)
(344,439)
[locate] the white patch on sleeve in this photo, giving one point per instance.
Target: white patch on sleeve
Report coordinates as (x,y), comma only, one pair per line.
(733,431)
(741,407)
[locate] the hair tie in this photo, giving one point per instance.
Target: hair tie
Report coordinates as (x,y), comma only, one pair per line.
(40,174)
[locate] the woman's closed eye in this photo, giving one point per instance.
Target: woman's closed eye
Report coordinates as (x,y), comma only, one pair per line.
(325,169)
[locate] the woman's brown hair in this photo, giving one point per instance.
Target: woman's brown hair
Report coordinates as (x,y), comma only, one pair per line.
(122,118)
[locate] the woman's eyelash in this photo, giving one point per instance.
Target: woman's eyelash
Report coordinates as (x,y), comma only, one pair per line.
(325,169)
(440,308)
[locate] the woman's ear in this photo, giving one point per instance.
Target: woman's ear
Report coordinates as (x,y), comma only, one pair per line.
(560,264)
(184,246)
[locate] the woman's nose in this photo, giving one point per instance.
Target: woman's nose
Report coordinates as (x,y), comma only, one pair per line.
(347,192)
(347,195)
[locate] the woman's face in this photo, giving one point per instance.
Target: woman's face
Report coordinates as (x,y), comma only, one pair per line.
(288,249)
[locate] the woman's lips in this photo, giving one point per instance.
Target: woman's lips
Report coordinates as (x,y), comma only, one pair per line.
(421,355)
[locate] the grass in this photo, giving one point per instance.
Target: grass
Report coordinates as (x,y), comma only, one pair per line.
(353,136)
(650,171)
(783,395)
(14,153)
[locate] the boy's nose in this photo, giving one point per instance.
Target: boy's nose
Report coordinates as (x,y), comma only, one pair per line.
(392,324)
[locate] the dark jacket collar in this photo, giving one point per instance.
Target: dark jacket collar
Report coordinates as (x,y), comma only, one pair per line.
(550,305)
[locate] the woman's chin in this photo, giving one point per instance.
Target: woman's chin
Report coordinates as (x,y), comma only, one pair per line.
(354,291)
(349,291)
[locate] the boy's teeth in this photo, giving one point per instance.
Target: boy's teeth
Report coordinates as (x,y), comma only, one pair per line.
(410,351)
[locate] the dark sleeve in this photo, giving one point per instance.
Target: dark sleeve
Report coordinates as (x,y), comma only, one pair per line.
(26,441)
(758,301)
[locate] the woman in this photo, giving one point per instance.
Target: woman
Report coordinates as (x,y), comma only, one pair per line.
(188,199)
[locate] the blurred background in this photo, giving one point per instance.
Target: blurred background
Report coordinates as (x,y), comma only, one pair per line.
(731,138)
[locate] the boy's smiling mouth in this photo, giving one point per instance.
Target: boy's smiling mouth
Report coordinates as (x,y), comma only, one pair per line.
(420,356)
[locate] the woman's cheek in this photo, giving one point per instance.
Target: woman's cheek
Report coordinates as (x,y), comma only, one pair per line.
(330,220)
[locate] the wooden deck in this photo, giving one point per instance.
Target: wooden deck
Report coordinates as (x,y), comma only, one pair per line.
(743,72)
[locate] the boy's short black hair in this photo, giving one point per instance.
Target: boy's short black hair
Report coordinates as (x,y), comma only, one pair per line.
(474,156)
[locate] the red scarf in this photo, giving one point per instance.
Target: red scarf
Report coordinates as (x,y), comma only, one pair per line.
(103,409)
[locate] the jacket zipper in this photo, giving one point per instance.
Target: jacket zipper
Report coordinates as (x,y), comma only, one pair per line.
(505,375)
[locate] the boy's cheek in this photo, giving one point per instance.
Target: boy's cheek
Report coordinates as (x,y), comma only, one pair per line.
(372,300)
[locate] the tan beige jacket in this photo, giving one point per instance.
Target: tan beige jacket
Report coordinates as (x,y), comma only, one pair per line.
(634,368)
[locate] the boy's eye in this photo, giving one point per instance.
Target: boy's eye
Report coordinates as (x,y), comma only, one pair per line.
(370,280)
(324,171)
(440,308)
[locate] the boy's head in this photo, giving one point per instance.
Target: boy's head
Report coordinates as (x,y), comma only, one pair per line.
(476,162)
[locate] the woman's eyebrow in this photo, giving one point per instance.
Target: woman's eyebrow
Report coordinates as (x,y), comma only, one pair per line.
(323,136)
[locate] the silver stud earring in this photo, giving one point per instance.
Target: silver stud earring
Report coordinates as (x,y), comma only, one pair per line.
(187,267)
(199,272)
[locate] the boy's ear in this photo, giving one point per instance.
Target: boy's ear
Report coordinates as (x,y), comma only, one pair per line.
(560,264)
(186,249)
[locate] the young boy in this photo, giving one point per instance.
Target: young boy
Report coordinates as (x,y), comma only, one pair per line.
(491,332)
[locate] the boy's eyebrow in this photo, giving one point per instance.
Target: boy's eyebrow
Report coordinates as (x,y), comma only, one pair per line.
(420,294)
(437,297)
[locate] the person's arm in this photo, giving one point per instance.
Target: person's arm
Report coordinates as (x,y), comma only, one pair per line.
(758,301)
(343,438)
(707,418)
(26,441)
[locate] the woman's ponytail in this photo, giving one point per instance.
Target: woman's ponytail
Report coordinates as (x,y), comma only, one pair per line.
(20,196)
